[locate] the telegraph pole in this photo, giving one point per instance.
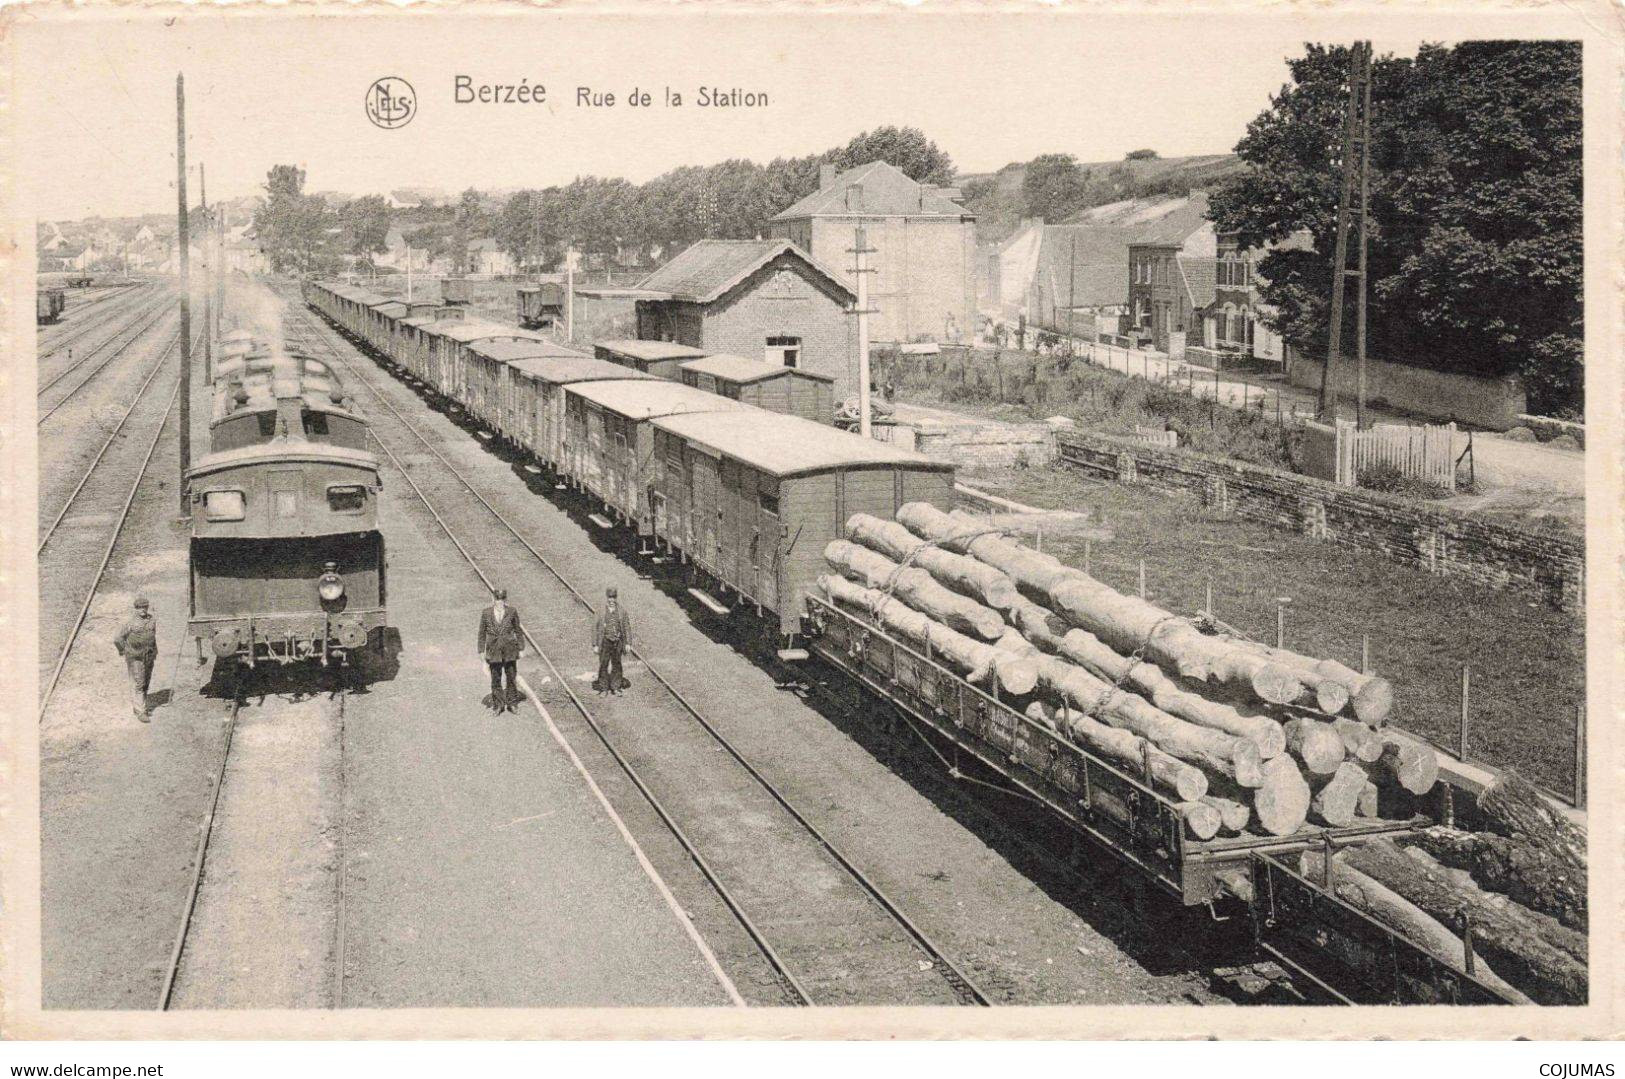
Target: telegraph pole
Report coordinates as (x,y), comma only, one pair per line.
(186,290)
(1356,127)
(1365,218)
(860,269)
(208,274)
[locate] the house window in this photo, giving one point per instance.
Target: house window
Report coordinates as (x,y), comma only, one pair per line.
(785,351)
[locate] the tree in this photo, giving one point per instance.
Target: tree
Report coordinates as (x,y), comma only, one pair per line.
(515,228)
(1475,258)
(1053,187)
(1140,155)
(905,147)
(292,226)
(366,225)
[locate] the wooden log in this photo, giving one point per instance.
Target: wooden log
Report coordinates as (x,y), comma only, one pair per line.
(915,587)
(1234,816)
(1281,802)
(1502,935)
(971,658)
(1040,625)
(968,575)
(1090,652)
(1360,742)
(1315,744)
(1514,808)
(1213,751)
(1337,799)
(1524,872)
(1128,624)
(1128,751)
(1370,896)
(1370,697)
(1368,804)
(1407,762)
(1202,821)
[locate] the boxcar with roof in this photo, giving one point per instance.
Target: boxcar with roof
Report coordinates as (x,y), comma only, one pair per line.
(540,306)
(752,498)
(422,336)
(514,417)
(397,342)
(610,443)
(658,358)
(474,382)
(380,321)
(772,386)
(540,384)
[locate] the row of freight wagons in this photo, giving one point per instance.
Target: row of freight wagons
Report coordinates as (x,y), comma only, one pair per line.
(750,496)
(772,386)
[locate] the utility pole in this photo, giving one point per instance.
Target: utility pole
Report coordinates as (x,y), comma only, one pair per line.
(1353,185)
(1365,219)
(209,270)
(1072,295)
(860,269)
(186,294)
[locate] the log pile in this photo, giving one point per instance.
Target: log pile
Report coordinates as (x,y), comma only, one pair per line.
(1247,739)
(1242,738)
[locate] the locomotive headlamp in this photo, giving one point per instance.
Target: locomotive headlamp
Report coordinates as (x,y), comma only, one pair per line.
(330,586)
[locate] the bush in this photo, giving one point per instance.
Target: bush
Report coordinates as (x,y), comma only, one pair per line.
(1389,479)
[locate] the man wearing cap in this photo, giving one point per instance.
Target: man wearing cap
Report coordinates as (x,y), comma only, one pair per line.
(501,642)
(611,633)
(137,642)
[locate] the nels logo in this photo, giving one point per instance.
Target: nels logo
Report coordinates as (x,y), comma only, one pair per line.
(391,102)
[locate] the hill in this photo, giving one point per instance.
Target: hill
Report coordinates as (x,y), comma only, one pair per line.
(997,198)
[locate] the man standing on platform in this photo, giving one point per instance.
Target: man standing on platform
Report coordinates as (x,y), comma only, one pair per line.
(610,636)
(501,643)
(137,642)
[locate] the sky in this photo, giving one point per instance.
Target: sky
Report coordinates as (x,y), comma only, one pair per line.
(95,93)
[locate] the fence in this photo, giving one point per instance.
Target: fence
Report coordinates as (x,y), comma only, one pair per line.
(1426,454)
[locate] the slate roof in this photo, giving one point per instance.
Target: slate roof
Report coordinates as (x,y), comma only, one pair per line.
(1200,277)
(710,268)
(1151,221)
(887,191)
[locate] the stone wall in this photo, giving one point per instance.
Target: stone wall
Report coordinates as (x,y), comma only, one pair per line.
(1549,561)
(991,446)
(1483,402)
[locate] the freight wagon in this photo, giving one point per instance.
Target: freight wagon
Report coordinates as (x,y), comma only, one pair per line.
(49,303)
(771,386)
(540,306)
(752,498)
(609,440)
(511,413)
(659,358)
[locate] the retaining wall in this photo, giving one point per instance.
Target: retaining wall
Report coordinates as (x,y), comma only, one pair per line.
(1494,403)
(1439,541)
(996,445)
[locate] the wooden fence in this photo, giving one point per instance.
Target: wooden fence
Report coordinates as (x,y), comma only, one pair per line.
(1424,453)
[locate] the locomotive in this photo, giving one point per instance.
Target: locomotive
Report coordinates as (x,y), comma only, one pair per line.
(287,557)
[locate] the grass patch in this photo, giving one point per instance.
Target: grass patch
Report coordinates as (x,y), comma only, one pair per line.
(1527,659)
(1022,386)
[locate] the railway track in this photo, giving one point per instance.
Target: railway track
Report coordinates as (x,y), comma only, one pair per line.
(99,313)
(108,350)
(67,503)
(107,293)
(108,489)
(202,968)
(825,927)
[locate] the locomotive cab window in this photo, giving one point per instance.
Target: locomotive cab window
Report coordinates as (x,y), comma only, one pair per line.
(224,505)
(315,423)
(346,498)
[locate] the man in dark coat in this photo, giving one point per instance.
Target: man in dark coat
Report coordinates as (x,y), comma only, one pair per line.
(501,642)
(611,633)
(137,642)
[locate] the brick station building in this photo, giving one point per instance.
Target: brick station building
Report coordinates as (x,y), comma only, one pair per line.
(765,299)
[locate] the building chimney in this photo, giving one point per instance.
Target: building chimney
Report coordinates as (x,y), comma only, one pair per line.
(854,196)
(926,191)
(826,175)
